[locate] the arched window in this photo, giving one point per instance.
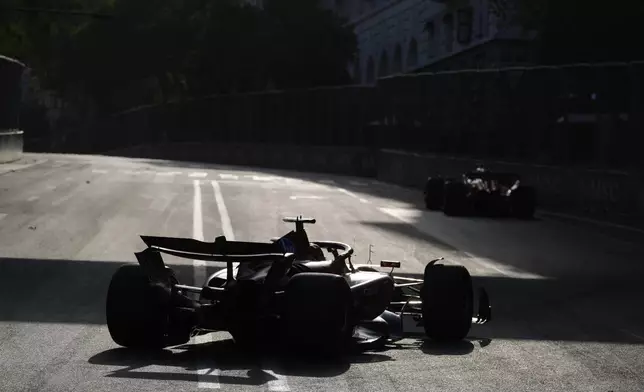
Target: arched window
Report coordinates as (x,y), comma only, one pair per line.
(383,65)
(396,66)
(412,54)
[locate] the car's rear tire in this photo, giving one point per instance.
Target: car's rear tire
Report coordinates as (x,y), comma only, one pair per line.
(317,313)
(137,311)
(524,202)
(455,199)
(434,193)
(447,302)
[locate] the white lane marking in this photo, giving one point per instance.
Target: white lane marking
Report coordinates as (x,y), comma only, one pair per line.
(346,192)
(2,216)
(63,199)
(261,178)
(279,384)
(199,271)
(225,176)
(412,217)
(364,201)
(32,198)
(328,182)
(99,171)
(306,197)
(130,172)
(198,175)
(68,179)
(211,373)
(197,232)
(226,226)
(168,174)
(51,187)
(358,183)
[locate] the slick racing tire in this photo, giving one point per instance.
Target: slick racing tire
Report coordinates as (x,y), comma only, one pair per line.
(434,193)
(455,199)
(137,311)
(524,201)
(447,302)
(317,314)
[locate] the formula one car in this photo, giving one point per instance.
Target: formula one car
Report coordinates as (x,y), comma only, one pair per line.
(481,192)
(284,291)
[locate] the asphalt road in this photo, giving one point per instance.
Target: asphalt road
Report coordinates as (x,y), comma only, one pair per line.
(567,300)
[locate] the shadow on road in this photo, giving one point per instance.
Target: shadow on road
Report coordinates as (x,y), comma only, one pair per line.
(227,357)
(564,309)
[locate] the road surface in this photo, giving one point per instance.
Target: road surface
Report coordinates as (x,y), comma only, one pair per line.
(567,300)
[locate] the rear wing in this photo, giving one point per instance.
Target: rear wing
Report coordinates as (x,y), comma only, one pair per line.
(219,250)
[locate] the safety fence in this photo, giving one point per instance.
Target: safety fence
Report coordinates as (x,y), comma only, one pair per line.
(323,116)
(575,114)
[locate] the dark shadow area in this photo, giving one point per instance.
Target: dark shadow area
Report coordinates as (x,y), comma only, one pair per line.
(60,291)
(434,348)
(564,309)
(530,247)
(228,357)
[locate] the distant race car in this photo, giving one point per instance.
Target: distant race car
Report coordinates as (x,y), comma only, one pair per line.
(481,192)
(285,294)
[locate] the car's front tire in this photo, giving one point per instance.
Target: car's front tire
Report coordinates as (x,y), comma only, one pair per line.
(138,312)
(447,302)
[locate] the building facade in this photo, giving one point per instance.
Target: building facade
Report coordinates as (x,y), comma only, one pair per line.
(403,36)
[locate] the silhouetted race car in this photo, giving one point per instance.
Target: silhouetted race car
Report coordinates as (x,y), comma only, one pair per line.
(481,192)
(285,294)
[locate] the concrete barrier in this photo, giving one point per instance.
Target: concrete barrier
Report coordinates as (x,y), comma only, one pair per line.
(339,160)
(11,146)
(11,139)
(575,190)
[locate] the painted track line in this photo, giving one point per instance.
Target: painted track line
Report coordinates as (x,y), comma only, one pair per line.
(226,226)
(349,193)
(199,271)
(278,384)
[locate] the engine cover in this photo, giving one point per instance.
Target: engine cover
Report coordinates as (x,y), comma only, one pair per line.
(372,292)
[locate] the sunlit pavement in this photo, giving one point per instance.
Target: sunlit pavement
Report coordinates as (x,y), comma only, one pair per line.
(567,300)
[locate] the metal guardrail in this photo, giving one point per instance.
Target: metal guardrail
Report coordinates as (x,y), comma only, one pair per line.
(11,139)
